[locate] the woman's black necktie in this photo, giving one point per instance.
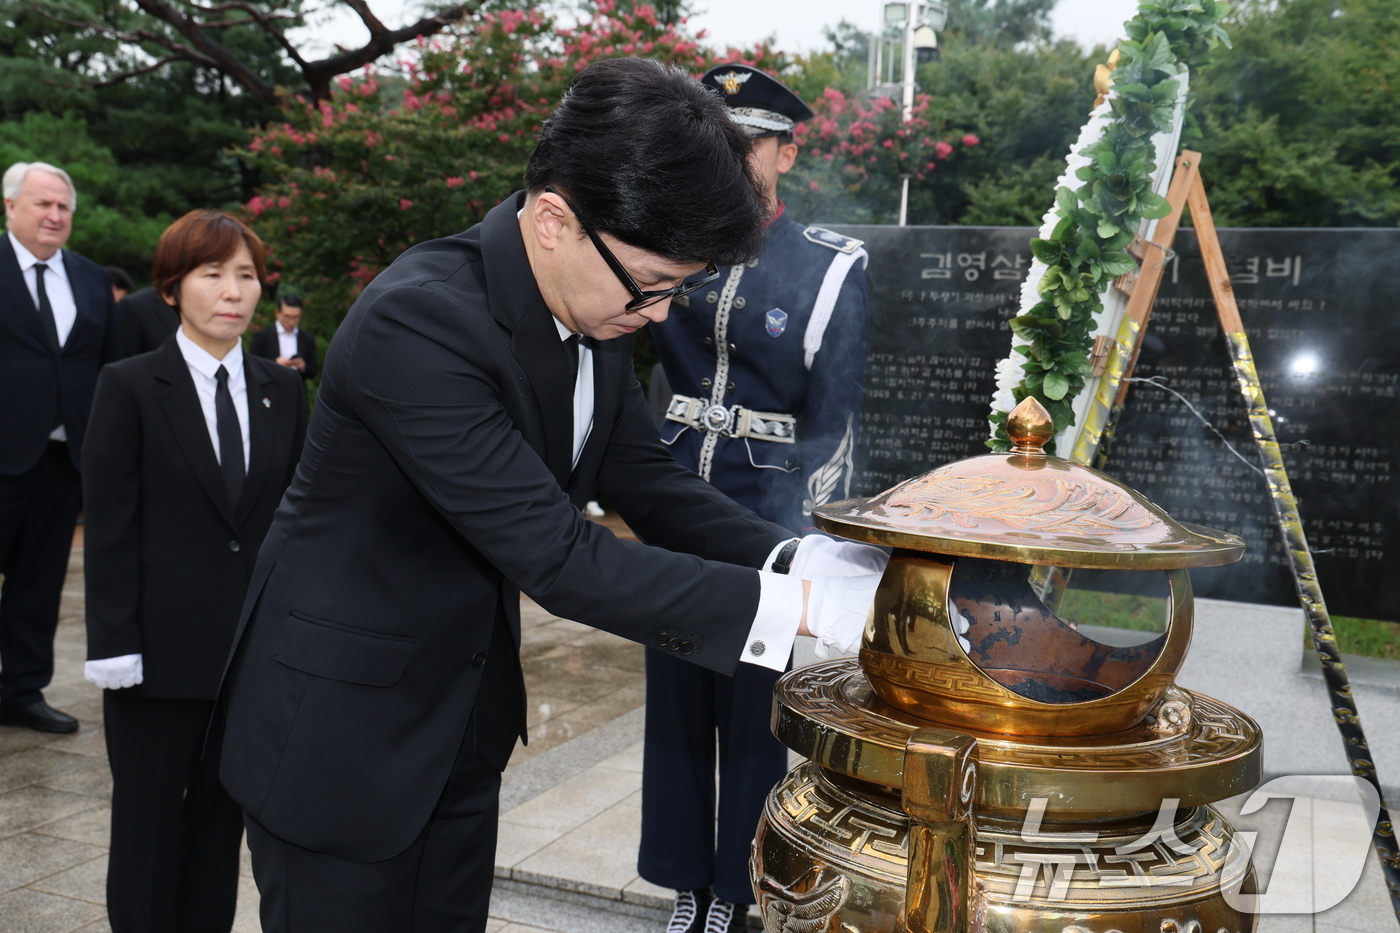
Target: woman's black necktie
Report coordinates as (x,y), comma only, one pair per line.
(230,438)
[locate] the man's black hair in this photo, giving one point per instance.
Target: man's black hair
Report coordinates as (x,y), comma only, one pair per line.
(647,154)
(289,299)
(119,278)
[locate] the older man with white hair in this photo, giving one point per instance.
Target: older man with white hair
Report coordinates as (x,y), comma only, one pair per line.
(58,327)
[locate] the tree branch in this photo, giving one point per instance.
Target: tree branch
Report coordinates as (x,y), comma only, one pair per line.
(222,58)
(265,20)
(382,41)
(118,79)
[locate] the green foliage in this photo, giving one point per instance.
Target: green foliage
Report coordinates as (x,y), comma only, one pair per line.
(1300,119)
(1003,23)
(1086,249)
(164,134)
(110,224)
(855,151)
(354,181)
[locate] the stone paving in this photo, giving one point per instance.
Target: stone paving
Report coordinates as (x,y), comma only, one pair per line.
(566,861)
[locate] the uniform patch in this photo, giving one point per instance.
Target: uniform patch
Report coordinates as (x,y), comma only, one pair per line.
(832,240)
(776,322)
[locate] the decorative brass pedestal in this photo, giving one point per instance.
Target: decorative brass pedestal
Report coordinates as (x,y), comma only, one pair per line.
(1033,781)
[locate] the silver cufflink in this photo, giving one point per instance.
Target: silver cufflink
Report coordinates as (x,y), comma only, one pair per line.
(757,648)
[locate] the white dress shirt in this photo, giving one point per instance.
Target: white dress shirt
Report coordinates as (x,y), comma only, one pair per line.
(203,366)
(287,341)
(59,291)
(583,393)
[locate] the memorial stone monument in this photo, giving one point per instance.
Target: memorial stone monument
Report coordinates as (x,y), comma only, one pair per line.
(1318,306)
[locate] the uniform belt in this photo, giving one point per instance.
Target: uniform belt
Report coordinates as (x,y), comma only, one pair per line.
(733,421)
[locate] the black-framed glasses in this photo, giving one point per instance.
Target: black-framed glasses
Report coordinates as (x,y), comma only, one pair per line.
(640,299)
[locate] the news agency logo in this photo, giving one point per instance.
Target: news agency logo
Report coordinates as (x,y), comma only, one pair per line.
(1313,865)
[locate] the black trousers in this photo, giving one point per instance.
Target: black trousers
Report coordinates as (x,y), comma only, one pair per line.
(440,884)
(683,846)
(173,867)
(38,510)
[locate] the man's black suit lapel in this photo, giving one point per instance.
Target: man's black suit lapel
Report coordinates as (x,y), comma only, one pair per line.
(519,307)
(261,418)
(25,317)
(179,402)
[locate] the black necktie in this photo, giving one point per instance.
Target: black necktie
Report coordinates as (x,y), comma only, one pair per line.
(230,438)
(45,309)
(574,342)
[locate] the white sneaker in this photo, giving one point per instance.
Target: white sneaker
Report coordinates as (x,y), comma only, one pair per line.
(688,911)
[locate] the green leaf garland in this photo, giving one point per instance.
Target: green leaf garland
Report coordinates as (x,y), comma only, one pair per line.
(1088,246)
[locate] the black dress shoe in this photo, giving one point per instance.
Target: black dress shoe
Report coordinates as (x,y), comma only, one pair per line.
(39,716)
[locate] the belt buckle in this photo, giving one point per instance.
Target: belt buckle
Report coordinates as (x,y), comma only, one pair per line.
(719,420)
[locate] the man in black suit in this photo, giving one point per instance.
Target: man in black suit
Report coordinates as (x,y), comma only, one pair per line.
(285,343)
(478,394)
(147,321)
(58,327)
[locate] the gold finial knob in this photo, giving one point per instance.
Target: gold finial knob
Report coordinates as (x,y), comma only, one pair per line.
(1030,427)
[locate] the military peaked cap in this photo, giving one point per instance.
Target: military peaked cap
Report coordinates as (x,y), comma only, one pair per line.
(758,102)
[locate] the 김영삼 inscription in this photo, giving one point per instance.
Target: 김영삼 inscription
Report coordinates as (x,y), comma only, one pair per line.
(1318,306)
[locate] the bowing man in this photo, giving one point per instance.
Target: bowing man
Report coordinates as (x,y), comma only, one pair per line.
(189,451)
(479,393)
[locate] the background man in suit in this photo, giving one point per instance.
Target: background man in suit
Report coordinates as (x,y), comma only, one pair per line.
(121,282)
(190,450)
(767,368)
(285,343)
(478,393)
(147,320)
(58,327)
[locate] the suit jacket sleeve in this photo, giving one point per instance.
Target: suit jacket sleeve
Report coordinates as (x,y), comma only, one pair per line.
(436,406)
(129,315)
(111,523)
(306,345)
(668,505)
(835,390)
(114,340)
(258,346)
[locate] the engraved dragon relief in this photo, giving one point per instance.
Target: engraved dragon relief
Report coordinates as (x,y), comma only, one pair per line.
(809,905)
(970,500)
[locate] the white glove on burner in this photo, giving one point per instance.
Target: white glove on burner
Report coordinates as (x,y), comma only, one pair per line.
(818,555)
(837,608)
(114,673)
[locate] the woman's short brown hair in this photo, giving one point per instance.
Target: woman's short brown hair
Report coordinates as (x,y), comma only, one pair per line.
(197,238)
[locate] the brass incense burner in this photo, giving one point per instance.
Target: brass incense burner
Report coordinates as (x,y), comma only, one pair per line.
(1036,781)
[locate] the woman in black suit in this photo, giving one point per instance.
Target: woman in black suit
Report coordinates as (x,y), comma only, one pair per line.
(189,450)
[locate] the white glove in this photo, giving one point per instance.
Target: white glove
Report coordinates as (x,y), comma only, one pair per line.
(837,608)
(820,556)
(114,673)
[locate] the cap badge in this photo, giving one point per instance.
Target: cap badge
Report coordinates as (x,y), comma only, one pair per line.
(776,322)
(732,81)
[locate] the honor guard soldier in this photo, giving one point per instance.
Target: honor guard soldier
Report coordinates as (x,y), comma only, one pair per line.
(767,366)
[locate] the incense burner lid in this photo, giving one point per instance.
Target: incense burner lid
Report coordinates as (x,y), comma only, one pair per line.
(1030,508)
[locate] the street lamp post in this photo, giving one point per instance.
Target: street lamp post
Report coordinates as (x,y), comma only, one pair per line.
(919,24)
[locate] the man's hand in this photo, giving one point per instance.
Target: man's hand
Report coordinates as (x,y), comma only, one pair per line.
(292,362)
(115,673)
(836,609)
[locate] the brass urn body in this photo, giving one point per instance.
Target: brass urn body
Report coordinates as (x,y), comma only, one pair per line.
(1019,777)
